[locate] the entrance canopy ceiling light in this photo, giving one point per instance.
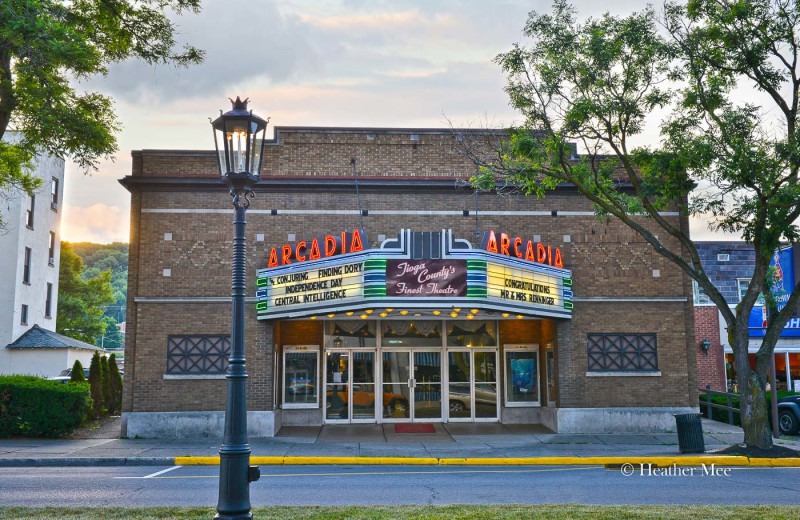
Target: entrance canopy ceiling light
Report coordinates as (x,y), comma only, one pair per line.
(416,314)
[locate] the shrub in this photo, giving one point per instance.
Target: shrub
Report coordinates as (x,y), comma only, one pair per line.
(36,407)
(96,385)
(77,373)
(116,383)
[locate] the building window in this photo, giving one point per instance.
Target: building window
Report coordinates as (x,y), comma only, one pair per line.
(522,375)
(29,216)
(23,320)
(743,284)
(26,268)
(300,369)
(54,194)
(622,352)
(48,302)
(51,251)
(204,354)
(700,297)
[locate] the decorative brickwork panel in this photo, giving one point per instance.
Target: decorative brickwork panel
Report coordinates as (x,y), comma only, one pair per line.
(622,352)
(197,354)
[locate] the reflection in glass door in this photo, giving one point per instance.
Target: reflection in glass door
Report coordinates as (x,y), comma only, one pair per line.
(396,385)
(485,384)
(337,388)
(349,386)
(363,399)
(427,384)
(472,387)
(412,385)
(460,396)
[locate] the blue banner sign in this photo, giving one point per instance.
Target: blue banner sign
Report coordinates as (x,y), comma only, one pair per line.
(784,282)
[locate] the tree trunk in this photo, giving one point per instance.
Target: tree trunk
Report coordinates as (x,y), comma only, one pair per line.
(752,391)
(6,88)
(754,412)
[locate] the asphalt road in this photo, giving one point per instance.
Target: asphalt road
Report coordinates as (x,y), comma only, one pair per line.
(345,485)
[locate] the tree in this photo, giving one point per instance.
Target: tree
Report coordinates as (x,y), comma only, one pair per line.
(48,45)
(77,373)
(595,83)
(112,338)
(102,257)
(107,386)
(81,303)
(96,385)
(116,384)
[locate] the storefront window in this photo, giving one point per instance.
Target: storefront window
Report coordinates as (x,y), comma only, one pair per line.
(417,333)
(522,375)
(300,368)
(349,333)
(471,333)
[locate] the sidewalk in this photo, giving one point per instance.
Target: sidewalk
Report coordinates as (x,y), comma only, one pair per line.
(456,441)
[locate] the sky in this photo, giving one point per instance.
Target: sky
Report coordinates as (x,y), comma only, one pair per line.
(398,63)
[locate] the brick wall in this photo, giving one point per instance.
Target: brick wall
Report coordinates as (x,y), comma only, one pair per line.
(710,367)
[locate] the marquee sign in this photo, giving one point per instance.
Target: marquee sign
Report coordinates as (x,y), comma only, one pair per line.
(338,283)
(426,278)
(522,285)
(356,278)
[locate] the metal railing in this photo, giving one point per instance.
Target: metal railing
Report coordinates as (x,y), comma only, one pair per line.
(710,405)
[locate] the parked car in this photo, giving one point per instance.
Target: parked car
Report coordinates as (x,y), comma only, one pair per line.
(789,414)
(65,375)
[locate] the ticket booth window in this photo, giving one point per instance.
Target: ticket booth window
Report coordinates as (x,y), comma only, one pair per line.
(522,375)
(300,381)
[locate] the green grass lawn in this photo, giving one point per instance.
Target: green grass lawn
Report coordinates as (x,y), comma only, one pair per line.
(493,512)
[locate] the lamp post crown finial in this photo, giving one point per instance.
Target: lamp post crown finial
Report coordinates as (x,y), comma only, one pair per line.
(238,104)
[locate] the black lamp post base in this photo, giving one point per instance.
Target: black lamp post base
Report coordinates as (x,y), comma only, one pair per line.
(246,516)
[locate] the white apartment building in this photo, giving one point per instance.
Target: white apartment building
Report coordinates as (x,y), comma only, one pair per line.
(29,260)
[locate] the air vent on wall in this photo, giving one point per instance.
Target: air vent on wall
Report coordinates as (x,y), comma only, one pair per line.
(723,257)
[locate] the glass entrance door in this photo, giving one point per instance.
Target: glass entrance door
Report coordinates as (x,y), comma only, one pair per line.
(349,386)
(472,385)
(412,385)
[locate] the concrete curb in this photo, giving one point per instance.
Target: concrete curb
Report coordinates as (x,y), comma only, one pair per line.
(69,462)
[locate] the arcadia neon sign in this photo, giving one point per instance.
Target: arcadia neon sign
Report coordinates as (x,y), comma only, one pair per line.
(526,249)
(323,247)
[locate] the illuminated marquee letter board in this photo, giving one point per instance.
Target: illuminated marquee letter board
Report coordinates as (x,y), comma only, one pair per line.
(376,277)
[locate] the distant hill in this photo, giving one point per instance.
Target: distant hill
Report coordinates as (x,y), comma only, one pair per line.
(101,257)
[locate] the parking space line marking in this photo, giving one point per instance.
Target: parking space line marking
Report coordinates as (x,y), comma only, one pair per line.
(152,475)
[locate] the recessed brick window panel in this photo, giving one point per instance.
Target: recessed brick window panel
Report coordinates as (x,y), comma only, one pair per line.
(198,354)
(622,352)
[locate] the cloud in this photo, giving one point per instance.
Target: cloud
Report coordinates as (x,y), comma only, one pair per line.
(242,39)
(96,223)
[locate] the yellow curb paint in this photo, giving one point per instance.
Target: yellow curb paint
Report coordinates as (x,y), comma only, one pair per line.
(776,463)
(197,461)
(689,460)
(452,462)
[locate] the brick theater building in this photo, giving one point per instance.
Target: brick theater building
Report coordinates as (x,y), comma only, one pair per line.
(431,304)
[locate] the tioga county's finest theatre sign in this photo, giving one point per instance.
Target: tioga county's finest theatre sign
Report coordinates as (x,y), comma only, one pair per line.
(426,278)
(353,278)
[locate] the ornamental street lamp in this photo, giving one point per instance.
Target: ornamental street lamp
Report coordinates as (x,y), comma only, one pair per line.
(239,139)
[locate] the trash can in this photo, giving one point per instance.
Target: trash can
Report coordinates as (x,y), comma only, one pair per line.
(690,433)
